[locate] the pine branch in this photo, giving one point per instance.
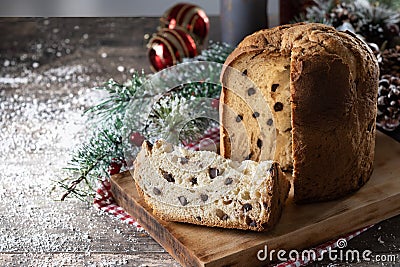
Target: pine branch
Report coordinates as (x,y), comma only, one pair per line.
(184,119)
(216,52)
(119,96)
(91,161)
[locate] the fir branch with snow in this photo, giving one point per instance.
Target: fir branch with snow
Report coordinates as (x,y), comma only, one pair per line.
(103,153)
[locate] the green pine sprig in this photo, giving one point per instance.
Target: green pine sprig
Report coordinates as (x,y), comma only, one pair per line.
(118,98)
(90,162)
(216,52)
(374,21)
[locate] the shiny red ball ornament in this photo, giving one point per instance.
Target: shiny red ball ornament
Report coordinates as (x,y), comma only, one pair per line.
(170,46)
(190,17)
(136,139)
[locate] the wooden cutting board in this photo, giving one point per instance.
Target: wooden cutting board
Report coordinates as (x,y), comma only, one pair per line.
(300,227)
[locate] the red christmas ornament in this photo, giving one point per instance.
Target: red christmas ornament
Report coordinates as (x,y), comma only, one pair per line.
(190,17)
(169,46)
(115,166)
(136,139)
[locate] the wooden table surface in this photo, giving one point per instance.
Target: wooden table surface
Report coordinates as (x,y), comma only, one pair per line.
(49,67)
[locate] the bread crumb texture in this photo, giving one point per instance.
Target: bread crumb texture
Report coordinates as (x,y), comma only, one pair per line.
(201,187)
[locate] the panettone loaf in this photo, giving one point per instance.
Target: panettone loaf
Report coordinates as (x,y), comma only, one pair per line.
(321,87)
(201,187)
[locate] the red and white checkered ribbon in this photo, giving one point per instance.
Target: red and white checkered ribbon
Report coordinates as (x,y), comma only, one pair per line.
(105,202)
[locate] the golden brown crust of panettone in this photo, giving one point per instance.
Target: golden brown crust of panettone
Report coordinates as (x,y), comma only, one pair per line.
(333,89)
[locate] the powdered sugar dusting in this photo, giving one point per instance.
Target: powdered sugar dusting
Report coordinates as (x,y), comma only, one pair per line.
(47,80)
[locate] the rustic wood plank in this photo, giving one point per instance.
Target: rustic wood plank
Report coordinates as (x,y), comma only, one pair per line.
(301,226)
(137,208)
(87,259)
